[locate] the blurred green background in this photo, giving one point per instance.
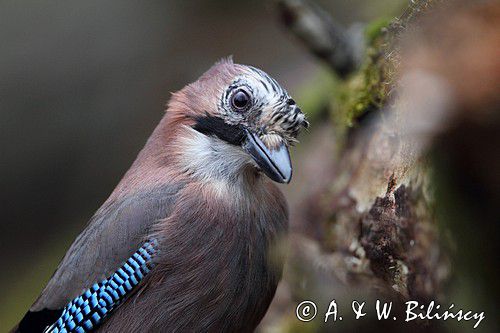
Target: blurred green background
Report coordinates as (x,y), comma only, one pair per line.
(82,85)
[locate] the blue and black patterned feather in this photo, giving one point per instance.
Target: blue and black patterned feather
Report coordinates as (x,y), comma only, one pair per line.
(87,311)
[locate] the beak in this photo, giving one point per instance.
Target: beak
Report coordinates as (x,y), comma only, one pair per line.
(274,163)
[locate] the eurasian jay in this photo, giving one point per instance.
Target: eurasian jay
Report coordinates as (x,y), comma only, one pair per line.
(183,242)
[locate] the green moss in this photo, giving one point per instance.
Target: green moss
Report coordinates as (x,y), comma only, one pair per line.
(375,29)
(357,95)
(364,90)
(345,101)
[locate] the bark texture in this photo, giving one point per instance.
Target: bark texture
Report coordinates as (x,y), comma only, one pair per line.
(379,226)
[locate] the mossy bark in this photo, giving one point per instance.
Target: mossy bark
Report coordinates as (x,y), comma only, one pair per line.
(376,230)
(379,206)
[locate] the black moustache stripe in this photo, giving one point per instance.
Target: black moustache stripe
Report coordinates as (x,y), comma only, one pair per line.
(211,125)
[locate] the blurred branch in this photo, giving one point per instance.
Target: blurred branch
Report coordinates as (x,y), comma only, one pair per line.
(338,47)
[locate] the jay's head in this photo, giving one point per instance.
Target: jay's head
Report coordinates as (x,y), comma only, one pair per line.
(241,115)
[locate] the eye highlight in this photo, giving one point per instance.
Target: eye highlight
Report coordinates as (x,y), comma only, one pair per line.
(240,100)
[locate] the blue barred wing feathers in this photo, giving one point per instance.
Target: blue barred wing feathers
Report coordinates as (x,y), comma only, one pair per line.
(87,311)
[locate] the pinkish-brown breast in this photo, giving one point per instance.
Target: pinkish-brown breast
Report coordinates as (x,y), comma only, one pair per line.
(215,272)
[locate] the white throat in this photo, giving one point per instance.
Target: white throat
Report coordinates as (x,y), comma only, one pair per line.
(210,159)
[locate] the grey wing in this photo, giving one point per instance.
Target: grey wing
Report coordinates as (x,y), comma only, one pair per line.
(115,232)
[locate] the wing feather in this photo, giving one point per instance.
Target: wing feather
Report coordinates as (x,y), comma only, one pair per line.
(115,232)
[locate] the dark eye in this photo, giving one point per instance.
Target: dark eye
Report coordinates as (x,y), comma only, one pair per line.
(240,100)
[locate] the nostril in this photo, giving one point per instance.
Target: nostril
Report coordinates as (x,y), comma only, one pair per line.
(291,101)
